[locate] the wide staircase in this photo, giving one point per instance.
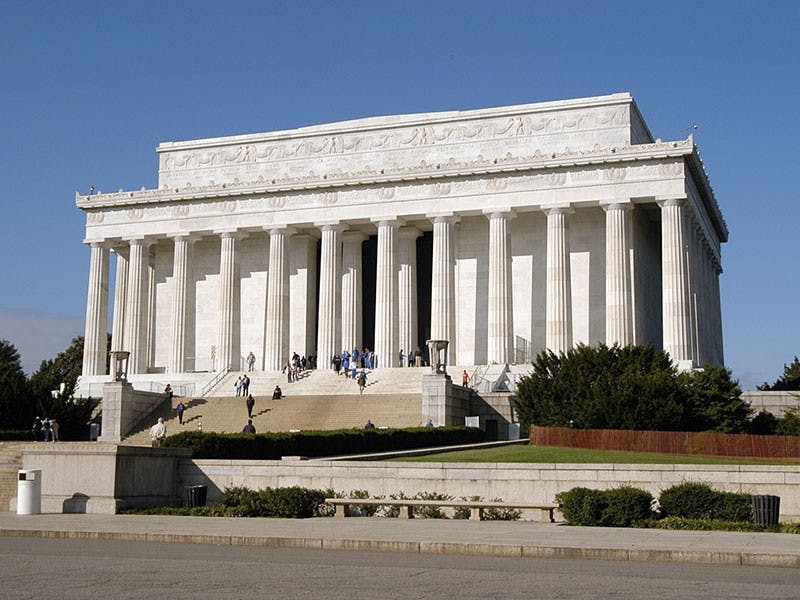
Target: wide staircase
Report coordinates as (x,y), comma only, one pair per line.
(10,464)
(319,400)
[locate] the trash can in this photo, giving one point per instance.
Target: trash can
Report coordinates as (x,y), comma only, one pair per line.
(766,510)
(29,492)
(94,431)
(196,495)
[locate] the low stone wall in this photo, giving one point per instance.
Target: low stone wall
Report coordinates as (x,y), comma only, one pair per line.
(124,408)
(533,483)
(103,478)
(773,402)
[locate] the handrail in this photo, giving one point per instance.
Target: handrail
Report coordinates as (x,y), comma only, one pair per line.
(218,376)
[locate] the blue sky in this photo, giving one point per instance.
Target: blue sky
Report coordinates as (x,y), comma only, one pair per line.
(88,89)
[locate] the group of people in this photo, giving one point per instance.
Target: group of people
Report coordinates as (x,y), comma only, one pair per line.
(242,385)
(45,429)
(296,365)
(414,357)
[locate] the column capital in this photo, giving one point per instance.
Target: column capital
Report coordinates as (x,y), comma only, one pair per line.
(664,201)
(558,209)
(139,241)
(608,205)
(409,231)
(279,229)
(383,221)
(185,237)
(104,243)
(330,226)
(353,235)
(499,213)
(233,234)
(447,217)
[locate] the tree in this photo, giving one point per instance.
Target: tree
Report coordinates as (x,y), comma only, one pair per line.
(632,387)
(72,413)
(789,381)
(714,401)
(16,408)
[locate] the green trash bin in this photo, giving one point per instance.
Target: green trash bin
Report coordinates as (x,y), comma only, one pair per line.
(196,495)
(766,510)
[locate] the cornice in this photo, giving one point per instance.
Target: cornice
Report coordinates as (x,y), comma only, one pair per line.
(538,161)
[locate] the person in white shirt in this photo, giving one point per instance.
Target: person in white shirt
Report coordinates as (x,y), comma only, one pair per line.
(158,433)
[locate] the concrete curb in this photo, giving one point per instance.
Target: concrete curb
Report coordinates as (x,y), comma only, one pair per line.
(785,560)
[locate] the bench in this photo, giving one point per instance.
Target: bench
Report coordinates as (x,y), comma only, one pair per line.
(406,507)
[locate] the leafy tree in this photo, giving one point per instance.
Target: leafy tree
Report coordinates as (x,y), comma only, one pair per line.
(16,410)
(714,400)
(631,387)
(72,414)
(634,387)
(789,381)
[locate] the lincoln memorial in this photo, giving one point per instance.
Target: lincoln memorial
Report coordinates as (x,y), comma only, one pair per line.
(504,231)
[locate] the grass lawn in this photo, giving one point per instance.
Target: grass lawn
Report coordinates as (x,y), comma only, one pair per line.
(553,454)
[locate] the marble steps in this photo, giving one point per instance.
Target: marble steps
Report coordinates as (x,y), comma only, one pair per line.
(305,412)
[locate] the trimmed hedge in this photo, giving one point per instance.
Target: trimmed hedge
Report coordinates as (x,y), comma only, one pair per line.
(273,446)
(700,501)
(619,507)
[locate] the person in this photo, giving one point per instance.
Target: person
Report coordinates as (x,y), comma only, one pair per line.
(289,369)
(410,358)
(337,363)
(369,425)
(429,423)
(158,433)
(251,361)
(168,392)
(180,408)
(251,402)
(54,429)
(238,386)
(464,379)
(402,357)
(277,393)
(362,382)
(36,429)
(417,357)
(249,428)
(46,431)
(245,385)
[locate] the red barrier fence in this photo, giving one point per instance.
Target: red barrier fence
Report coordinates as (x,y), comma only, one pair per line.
(670,442)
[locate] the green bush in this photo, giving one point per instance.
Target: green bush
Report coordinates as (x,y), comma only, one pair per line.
(288,503)
(272,446)
(680,523)
(626,506)
(619,507)
(582,506)
(691,500)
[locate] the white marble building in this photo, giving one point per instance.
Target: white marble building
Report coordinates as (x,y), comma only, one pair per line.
(503,230)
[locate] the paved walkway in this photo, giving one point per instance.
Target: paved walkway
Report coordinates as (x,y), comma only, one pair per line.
(433,536)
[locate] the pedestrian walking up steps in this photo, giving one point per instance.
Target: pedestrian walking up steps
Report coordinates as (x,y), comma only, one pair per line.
(319,400)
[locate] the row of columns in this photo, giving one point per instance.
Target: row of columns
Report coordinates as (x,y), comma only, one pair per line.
(690,289)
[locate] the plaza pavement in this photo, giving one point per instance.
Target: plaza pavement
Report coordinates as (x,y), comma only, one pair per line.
(431,536)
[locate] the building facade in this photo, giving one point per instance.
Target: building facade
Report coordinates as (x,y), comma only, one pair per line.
(504,231)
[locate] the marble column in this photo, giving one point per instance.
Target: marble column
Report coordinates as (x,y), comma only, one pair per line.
(407,333)
(96,332)
(443,295)
(386,301)
(675,282)
(558,328)
(328,321)
(228,330)
(136,306)
(352,282)
(120,294)
(276,336)
(619,305)
(181,279)
(500,324)
(302,294)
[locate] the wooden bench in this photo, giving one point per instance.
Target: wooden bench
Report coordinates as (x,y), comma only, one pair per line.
(406,507)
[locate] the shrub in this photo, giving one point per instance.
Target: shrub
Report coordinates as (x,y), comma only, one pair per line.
(288,503)
(582,506)
(501,514)
(272,446)
(700,501)
(698,524)
(626,506)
